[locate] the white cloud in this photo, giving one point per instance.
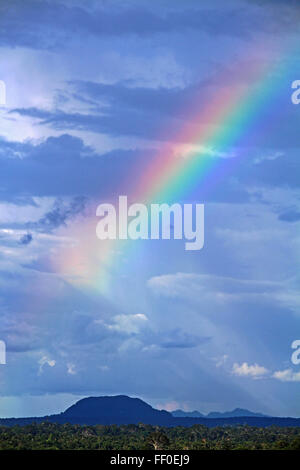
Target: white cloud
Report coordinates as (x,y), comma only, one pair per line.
(272,155)
(245,370)
(128,323)
(186,285)
(191,151)
(16,213)
(221,290)
(71,369)
(169,405)
(221,361)
(287,375)
(45,360)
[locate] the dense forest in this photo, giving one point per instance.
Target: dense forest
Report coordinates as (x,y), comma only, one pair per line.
(50,436)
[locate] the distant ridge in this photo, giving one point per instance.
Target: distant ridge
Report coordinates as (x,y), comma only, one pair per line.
(121,409)
(237,412)
(187,414)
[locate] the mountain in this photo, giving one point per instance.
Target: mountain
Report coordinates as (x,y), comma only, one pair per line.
(122,409)
(187,414)
(118,409)
(237,412)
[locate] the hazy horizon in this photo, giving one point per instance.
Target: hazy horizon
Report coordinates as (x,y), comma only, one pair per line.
(68,401)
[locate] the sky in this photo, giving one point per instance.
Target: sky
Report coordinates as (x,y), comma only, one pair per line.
(98,95)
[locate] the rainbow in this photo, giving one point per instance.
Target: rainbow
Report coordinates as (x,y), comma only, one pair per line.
(218,126)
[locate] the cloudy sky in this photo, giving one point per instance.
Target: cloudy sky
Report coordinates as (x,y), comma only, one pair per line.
(96,91)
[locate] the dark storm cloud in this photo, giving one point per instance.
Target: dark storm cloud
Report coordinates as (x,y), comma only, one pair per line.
(290,216)
(26,239)
(62,166)
(59,215)
(46,25)
(122,109)
(181,339)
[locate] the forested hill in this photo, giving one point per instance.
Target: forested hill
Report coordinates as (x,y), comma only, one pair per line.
(125,410)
